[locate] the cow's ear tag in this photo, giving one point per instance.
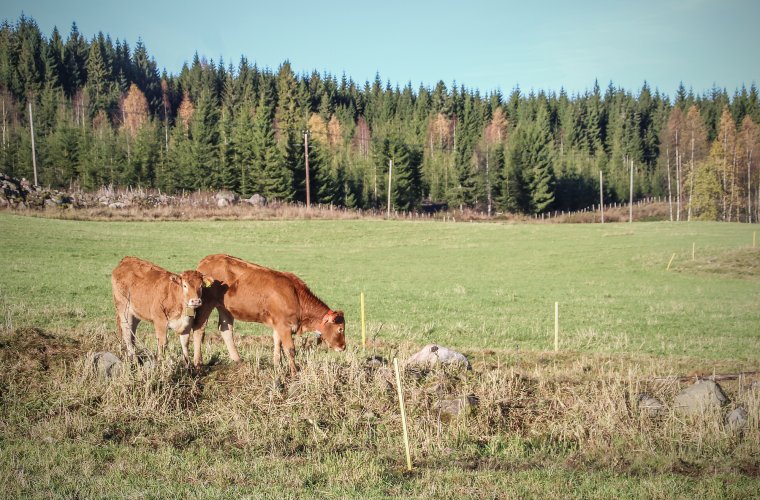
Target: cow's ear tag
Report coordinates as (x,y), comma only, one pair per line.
(208,281)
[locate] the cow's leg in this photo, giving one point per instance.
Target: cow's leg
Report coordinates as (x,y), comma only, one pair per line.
(128,327)
(184,339)
(277,346)
(226,322)
(199,330)
(161,326)
(286,337)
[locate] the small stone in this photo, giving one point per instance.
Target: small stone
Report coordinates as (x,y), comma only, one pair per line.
(700,396)
(651,405)
(458,406)
(737,420)
(107,364)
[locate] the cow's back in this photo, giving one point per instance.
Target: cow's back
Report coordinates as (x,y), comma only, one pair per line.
(253,292)
(140,284)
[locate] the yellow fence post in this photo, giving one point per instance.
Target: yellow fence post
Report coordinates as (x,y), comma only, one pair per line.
(403,414)
(364,327)
(556,326)
(671,261)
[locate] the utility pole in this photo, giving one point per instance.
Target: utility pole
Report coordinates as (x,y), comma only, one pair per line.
(390,175)
(488,183)
(601,194)
(306,150)
(630,199)
(4,134)
(31,130)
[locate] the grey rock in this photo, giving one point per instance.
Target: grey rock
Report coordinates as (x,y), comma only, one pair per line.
(222,203)
(458,406)
(107,364)
(737,420)
(700,396)
(117,204)
(432,355)
(256,200)
(651,405)
(228,196)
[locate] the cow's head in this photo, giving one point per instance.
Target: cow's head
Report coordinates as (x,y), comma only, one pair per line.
(192,284)
(332,330)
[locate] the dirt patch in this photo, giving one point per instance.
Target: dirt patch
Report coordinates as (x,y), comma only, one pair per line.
(33,350)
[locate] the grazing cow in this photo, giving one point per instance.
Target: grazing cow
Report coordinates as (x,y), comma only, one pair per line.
(144,291)
(249,292)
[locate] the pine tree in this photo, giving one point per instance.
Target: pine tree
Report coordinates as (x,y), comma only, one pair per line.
(270,175)
(227,177)
(536,163)
(97,79)
(145,156)
(75,59)
(204,135)
(241,138)
(145,75)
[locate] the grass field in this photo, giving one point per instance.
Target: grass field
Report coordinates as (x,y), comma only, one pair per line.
(546,423)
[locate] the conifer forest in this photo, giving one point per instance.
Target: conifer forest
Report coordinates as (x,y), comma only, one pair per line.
(103,114)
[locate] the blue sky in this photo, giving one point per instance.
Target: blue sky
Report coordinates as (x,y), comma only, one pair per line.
(483,44)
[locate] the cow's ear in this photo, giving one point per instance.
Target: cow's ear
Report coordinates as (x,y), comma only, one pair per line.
(208,281)
(339,317)
(175,279)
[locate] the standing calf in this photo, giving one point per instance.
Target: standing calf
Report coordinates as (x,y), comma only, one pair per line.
(144,291)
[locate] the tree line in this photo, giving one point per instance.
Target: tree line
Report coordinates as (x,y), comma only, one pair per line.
(104,115)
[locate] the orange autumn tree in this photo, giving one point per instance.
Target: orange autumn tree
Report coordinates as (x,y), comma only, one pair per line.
(185,112)
(134,111)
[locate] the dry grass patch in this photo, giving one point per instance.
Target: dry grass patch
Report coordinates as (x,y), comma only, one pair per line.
(742,263)
(514,410)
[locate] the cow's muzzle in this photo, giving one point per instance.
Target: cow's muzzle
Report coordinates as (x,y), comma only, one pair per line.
(194,303)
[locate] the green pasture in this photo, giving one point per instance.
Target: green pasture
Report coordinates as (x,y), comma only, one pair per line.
(546,424)
(466,285)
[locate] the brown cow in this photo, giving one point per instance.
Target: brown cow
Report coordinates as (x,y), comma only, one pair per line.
(249,292)
(144,291)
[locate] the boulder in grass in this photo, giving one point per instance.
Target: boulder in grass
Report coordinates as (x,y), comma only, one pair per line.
(737,420)
(701,396)
(651,406)
(433,355)
(256,200)
(226,198)
(107,364)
